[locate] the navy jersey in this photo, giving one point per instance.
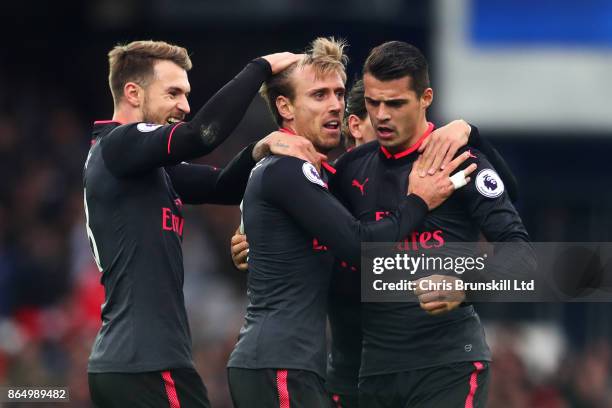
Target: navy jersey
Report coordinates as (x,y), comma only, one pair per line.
(135,185)
(401,336)
(345,305)
(291,219)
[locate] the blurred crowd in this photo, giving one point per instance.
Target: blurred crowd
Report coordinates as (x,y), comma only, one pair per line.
(50,294)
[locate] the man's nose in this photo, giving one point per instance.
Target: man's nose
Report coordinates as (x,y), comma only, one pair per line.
(183,105)
(337,104)
(382,113)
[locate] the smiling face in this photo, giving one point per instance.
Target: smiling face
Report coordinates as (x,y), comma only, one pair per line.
(317,108)
(396,111)
(164,98)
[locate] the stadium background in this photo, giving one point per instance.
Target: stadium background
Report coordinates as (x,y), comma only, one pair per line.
(556,138)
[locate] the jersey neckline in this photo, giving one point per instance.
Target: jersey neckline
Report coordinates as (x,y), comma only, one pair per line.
(411,149)
(106,122)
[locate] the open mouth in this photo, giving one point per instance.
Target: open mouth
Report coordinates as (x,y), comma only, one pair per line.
(172,121)
(384,131)
(332,125)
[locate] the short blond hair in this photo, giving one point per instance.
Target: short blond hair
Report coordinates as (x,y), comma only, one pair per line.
(134,62)
(325,54)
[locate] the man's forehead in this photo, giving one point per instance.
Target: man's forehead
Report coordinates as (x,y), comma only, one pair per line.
(307,77)
(171,75)
(392,89)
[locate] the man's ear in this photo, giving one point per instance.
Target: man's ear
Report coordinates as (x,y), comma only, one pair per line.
(427,98)
(353,125)
(284,107)
(133,94)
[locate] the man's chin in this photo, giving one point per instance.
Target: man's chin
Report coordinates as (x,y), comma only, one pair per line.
(326,145)
(148,119)
(387,142)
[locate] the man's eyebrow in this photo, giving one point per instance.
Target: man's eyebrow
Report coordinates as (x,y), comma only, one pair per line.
(393,100)
(177,89)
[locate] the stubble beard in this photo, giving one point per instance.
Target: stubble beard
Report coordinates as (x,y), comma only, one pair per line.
(148,116)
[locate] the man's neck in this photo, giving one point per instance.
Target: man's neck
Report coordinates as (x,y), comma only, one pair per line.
(416,135)
(125,115)
(288,128)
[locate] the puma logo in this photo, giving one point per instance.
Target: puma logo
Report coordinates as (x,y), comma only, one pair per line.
(360,186)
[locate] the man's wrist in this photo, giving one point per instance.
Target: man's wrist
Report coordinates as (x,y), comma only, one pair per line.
(418,199)
(263,63)
(261,150)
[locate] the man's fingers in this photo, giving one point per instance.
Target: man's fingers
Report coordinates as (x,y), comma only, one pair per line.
(303,155)
(428,157)
(281,60)
(239,258)
(456,162)
(242,256)
(240,247)
(470,169)
(302,150)
(441,307)
(433,296)
(458,180)
(417,288)
(423,145)
(315,157)
(437,160)
(419,160)
(452,151)
(418,165)
(432,306)
(238,237)
(306,151)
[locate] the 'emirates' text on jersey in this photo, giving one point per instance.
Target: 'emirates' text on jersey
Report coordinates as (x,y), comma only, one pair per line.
(401,336)
(135,185)
(135,226)
(290,220)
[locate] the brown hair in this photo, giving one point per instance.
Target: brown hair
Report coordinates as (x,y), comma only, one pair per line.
(355,105)
(326,55)
(134,62)
(397,59)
